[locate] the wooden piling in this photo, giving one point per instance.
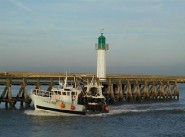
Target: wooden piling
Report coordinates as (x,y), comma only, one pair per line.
(146,92)
(120,90)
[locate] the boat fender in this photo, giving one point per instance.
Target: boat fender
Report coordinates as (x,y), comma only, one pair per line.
(106,108)
(72,107)
(62,105)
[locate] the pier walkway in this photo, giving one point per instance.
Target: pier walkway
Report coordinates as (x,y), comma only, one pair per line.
(116,88)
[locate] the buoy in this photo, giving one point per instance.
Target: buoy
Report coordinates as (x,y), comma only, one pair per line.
(62,105)
(106,108)
(72,107)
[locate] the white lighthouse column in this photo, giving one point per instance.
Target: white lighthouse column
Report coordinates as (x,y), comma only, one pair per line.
(101,64)
(101,48)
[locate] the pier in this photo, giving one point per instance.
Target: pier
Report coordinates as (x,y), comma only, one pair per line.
(116,88)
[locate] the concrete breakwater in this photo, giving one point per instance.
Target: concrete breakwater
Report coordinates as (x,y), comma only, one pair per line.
(116,88)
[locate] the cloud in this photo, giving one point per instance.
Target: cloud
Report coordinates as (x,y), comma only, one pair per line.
(22,6)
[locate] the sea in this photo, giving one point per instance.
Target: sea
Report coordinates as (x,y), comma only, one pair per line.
(146,119)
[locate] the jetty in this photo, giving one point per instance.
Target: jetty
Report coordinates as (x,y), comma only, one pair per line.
(116,87)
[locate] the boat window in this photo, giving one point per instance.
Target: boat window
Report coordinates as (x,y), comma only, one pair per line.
(59,92)
(63,93)
(73,93)
(68,93)
(85,89)
(93,91)
(98,100)
(67,89)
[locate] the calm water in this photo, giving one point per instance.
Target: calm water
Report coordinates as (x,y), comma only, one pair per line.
(165,119)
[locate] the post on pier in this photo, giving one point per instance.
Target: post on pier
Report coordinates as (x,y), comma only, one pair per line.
(9,101)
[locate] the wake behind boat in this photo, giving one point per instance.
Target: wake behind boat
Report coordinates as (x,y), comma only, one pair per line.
(67,99)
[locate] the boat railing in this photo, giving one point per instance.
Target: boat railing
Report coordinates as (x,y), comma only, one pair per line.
(42,93)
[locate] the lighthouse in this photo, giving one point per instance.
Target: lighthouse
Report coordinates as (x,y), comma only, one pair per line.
(101,48)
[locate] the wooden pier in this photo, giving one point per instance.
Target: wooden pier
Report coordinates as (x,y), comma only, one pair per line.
(117,88)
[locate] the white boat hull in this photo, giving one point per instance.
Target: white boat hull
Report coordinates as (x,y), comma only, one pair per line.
(46,104)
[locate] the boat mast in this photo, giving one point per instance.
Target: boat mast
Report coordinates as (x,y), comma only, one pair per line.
(65,81)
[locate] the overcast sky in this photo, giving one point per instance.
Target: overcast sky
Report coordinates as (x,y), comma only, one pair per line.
(144,36)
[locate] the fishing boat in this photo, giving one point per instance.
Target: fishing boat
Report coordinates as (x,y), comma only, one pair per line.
(67,99)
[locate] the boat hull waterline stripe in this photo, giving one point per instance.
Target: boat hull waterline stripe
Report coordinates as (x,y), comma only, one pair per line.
(59,110)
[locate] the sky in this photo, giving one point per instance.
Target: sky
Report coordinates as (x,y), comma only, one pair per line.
(144,36)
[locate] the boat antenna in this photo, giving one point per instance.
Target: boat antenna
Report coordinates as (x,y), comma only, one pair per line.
(93,79)
(65,81)
(60,83)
